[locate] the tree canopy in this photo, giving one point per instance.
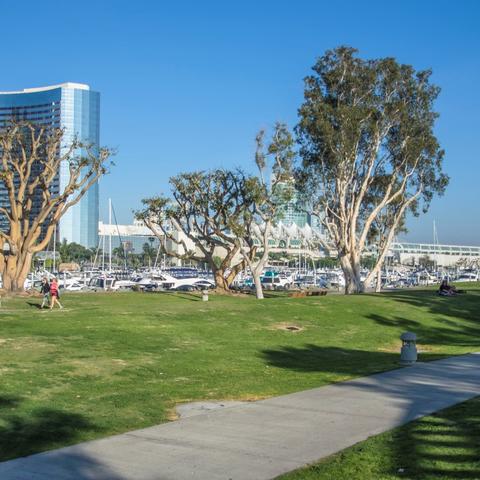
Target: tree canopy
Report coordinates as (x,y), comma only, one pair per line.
(368,151)
(31,156)
(199,218)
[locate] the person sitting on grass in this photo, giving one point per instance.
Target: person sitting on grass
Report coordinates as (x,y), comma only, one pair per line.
(45,291)
(446,289)
(54,294)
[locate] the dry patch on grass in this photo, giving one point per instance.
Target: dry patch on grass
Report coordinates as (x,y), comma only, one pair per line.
(173,413)
(349,332)
(427,348)
(25,294)
(103,367)
(184,345)
(119,361)
(98,367)
(26,343)
(391,348)
(190,343)
(250,398)
(395,347)
(287,327)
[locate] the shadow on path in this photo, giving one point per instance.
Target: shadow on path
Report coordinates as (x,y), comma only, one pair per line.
(438,446)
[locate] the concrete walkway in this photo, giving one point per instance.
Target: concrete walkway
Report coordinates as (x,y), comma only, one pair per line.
(263,439)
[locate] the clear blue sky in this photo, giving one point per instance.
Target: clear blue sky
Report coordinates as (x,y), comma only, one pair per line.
(186,85)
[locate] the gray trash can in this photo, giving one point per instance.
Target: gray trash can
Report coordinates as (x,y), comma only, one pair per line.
(408,353)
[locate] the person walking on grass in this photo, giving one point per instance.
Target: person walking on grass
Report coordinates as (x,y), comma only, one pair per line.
(45,291)
(54,294)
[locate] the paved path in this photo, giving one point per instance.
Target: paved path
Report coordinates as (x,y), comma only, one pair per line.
(263,439)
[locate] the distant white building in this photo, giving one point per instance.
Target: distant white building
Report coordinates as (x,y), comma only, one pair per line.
(133,237)
(442,255)
(291,239)
(285,238)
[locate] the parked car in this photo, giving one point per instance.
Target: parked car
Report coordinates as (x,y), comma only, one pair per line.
(73,287)
(468,277)
(203,284)
(109,283)
(184,288)
(276,281)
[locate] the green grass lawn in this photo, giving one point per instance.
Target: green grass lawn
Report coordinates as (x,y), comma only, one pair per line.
(442,446)
(109,363)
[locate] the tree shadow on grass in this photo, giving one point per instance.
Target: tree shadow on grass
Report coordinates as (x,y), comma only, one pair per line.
(335,360)
(43,429)
(458,321)
(461,307)
(37,430)
(417,450)
(443,445)
(465,333)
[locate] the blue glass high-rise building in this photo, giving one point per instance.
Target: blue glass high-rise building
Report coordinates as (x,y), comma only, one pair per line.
(293,211)
(76,109)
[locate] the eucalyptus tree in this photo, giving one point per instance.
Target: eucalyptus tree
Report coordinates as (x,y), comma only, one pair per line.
(31,156)
(368,151)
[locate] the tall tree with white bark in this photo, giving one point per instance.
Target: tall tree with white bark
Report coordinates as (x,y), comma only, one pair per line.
(368,150)
(31,156)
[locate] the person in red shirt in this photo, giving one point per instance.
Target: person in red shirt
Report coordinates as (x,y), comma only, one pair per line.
(54,295)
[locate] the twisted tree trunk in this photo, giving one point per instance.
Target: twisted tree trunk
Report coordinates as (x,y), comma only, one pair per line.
(14,270)
(220,280)
(351,270)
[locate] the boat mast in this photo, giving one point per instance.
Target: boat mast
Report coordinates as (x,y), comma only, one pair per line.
(110,235)
(103,251)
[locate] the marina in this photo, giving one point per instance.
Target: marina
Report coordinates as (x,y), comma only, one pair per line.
(273,278)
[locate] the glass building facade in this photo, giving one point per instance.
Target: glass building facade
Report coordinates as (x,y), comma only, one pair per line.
(292,211)
(76,109)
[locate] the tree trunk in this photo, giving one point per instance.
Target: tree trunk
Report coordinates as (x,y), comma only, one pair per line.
(351,271)
(378,284)
(351,286)
(15,271)
(258,285)
(232,275)
(220,281)
(374,275)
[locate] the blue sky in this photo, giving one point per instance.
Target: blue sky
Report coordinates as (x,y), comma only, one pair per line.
(186,85)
